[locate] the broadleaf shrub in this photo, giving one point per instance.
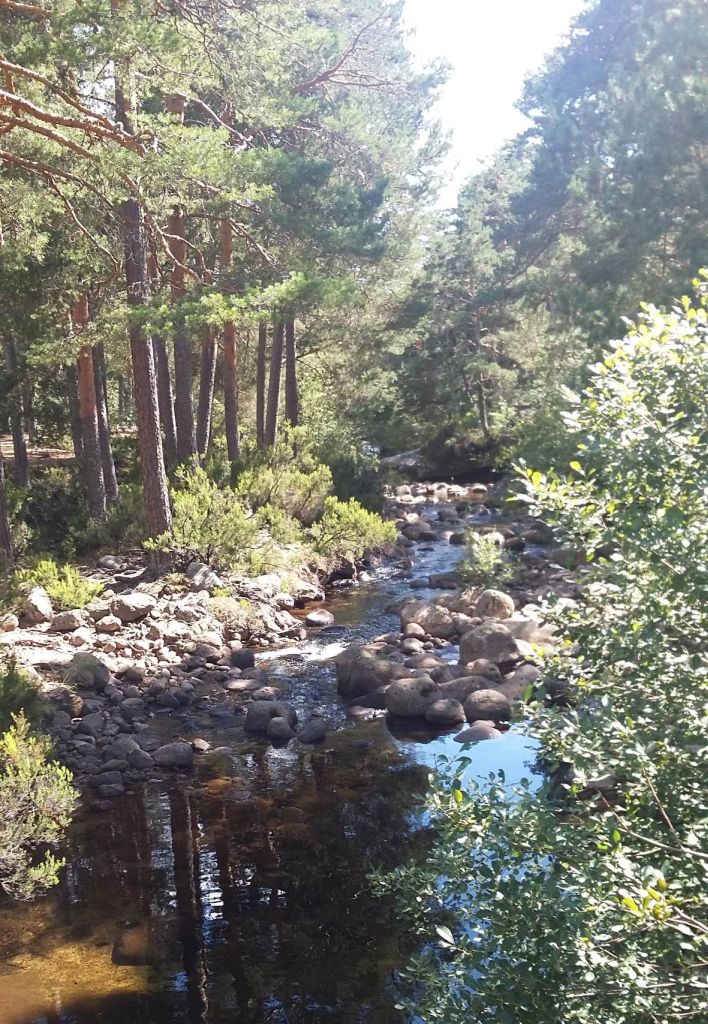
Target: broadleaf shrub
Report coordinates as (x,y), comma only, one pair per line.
(484,563)
(584,901)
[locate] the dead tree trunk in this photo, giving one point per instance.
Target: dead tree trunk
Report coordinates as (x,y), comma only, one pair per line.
(292,397)
(276,369)
(207,378)
(93,468)
(110,482)
(21,470)
(260,384)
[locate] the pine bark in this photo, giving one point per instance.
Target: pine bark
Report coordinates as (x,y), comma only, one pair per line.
(207,379)
(110,481)
(72,389)
(184,403)
(88,413)
(5,535)
(152,465)
(165,401)
(292,396)
(21,470)
(233,445)
(260,384)
(276,369)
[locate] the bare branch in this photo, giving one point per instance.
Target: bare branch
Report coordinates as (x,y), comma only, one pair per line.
(88,127)
(325,76)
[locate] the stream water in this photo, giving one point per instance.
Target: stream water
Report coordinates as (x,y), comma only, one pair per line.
(239,895)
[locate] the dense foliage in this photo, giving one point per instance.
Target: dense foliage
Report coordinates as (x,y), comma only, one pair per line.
(584,899)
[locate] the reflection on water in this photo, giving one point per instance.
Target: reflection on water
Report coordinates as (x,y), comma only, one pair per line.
(239,896)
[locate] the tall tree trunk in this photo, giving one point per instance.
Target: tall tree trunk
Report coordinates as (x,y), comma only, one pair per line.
(72,389)
(28,411)
(184,403)
(233,445)
(21,470)
(152,465)
(165,401)
(260,384)
(292,397)
(207,378)
(5,535)
(276,369)
(93,469)
(110,482)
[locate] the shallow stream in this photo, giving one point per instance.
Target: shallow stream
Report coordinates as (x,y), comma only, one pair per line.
(238,895)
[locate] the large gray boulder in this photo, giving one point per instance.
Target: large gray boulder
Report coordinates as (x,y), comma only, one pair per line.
(260,712)
(478,731)
(491,641)
(487,705)
(444,713)
(435,619)
(409,698)
(279,730)
(174,755)
(460,689)
(132,607)
(494,604)
(362,668)
(67,622)
(37,607)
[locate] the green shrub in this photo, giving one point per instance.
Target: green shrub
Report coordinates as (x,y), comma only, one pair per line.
(287,477)
(210,523)
(484,563)
(37,798)
(585,900)
(346,531)
(19,694)
(66,587)
(236,614)
(125,525)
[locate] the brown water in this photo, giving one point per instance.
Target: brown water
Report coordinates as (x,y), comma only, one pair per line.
(240,894)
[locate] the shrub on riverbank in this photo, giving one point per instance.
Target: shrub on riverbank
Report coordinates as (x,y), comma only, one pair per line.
(584,901)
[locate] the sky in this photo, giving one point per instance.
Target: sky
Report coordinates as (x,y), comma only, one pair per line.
(492,46)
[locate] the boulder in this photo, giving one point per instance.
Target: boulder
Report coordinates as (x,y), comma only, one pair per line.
(109,624)
(414,630)
(174,755)
(514,685)
(460,689)
(132,607)
(203,578)
(494,604)
(491,641)
(313,731)
(487,705)
(279,730)
(409,698)
(91,724)
(319,617)
(444,713)
(483,667)
(532,630)
(87,668)
(362,668)
(37,607)
(9,622)
(435,619)
(242,658)
(67,622)
(80,636)
(106,778)
(260,712)
(478,731)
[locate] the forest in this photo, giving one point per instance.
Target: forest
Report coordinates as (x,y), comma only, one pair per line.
(353,575)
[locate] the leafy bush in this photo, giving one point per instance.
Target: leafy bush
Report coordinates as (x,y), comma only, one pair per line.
(125,524)
(37,799)
(237,615)
(287,477)
(585,900)
(346,531)
(209,522)
(484,563)
(65,585)
(18,695)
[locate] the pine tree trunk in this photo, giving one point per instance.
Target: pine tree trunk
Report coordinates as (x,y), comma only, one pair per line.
(292,397)
(165,401)
(5,535)
(28,411)
(110,482)
(207,378)
(72,388)
(184,402)
(88,413)
(276,369)
(233,445)
(260,384)
(152,464)
(21,470)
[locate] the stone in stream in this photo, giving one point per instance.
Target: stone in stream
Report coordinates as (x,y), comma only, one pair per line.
(487,705)
(362,668)
(435,619)
(242,658)
(445,713)
(514,684)
(319,617)
(483,667)
(174,755)
(279,730)
(409,698)
(266,693)
(479,731)
(491,641)
(460,689)
(373,699)
(313,731)
(260,712)
(412,629)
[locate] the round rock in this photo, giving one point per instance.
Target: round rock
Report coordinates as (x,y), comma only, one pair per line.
(487,705)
